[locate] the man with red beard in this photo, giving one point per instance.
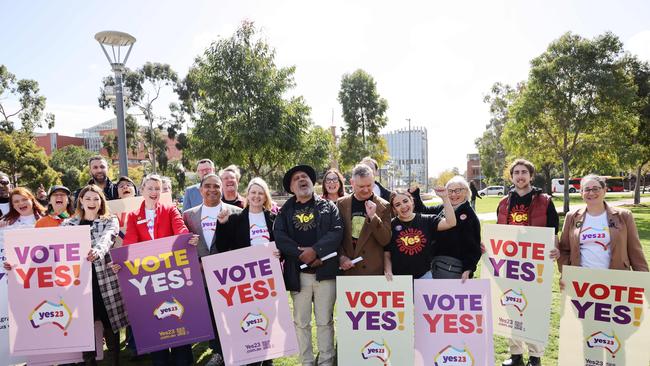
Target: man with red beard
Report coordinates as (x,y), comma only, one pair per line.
(528,206)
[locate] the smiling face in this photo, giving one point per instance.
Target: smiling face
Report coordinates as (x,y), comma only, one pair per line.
(592,192)
(521,177)
(91,202)
(59,201)
(230,183)
(402,206)
(211,191)
(125,189)
(99,170)
(204,169)
(301,185)
(332,183)
(363,187)
(5,187)
(151,192)
(457,193)
(256,197)
(22,204)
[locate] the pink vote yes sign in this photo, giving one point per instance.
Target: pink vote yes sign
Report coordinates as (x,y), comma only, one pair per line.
(250,305)
(50,290)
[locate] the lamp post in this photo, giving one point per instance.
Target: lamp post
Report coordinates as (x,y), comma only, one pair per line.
(409,178)
(116,41)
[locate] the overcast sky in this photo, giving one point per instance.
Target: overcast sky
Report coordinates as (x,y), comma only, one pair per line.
(432,60)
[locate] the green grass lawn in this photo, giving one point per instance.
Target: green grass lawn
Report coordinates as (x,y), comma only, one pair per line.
(642,218)
(489,203)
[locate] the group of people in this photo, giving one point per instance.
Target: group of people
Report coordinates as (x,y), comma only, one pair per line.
(371,231)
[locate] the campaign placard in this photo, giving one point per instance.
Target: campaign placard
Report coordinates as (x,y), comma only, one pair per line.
(374,320)
(603,319)
(250,305)
(122,207)
(50,290)
(163,292)
(518,265)
(453,323)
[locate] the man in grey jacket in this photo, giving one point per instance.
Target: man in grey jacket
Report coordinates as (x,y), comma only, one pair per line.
(209,221)
(192,196)
(306,230)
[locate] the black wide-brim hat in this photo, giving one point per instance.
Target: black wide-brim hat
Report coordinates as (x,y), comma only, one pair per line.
(286,181)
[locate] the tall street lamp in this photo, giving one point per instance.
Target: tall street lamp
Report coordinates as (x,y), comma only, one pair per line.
(409,179)
(116,42)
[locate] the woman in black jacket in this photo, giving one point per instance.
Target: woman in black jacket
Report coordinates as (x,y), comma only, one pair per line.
(254,224)
(458,250)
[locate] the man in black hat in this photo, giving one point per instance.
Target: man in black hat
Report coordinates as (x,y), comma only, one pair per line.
(307,229)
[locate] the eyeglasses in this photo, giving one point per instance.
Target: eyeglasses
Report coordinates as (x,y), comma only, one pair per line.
(331,180)
(4,182)
(594,189)
(456,191)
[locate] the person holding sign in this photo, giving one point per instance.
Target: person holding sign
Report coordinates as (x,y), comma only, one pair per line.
(307,230)
(366,217)
(254,224)
(24,211)
(458,250)
(59,208)
(528,206)
(108,306)
(410,248)
(600,236)
(208,221)
(153,221)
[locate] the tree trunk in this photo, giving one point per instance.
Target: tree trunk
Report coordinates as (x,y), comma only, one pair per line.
(637,187)
(565,168)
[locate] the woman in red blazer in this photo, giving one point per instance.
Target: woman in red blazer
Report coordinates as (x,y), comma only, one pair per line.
(154,221)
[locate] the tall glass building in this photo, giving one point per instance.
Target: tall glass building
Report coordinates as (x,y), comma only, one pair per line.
(397,168)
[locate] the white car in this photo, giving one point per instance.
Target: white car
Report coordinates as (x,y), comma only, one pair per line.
(491,191)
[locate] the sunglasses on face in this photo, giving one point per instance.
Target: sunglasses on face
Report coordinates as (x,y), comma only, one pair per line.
(594,190)
(4,182)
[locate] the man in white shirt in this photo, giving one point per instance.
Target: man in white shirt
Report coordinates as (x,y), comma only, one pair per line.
(208,221)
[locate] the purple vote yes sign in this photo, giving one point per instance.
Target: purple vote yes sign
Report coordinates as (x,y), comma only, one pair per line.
(164,294)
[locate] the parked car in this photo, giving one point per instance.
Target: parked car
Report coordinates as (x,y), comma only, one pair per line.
(492,191)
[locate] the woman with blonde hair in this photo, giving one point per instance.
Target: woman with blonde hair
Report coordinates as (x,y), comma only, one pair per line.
(254,224)
(154,220)
(458,250)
